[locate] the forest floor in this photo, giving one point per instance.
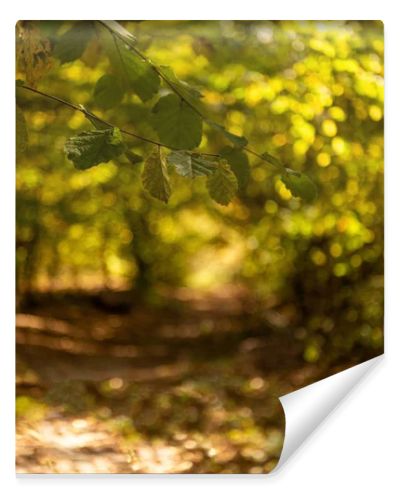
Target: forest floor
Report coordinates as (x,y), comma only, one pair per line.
(104,386)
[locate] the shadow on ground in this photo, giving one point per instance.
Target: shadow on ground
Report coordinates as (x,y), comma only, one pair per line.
(108,385)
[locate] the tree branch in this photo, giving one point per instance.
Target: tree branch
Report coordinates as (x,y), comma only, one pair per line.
(87,113)
(170,84)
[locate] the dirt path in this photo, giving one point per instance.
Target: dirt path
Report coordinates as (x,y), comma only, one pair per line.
(188,389)
(69,445)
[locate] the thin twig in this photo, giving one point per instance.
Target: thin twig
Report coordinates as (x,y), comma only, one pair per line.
(87,113)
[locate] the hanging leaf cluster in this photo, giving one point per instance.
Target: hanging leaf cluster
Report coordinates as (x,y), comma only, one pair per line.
(177,117)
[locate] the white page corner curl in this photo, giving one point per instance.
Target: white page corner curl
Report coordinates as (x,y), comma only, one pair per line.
(308,407)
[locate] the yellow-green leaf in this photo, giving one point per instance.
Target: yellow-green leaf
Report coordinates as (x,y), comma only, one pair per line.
(222,184)
(236,140)
(107,92)
(239,164)
(300,185)
(177,124)
(155,176)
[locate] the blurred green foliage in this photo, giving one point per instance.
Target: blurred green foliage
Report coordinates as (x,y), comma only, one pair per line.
(310,93)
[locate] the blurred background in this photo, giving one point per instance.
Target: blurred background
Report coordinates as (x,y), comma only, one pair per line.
(157,338)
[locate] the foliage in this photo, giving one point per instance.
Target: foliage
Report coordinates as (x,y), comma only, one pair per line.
(176,123)
(222,183)
(299,185)
(71,44)
(107,92)
(91,148)
(133,72)
(177,117)
(33,52)
(155,176)
(191,164)
(239,164)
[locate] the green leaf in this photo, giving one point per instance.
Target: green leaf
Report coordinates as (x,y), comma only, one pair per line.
(177,124)
(190,94)
(203,164)
(182,161)
(239,164)
(300,185)
(133,157)
(222,184)
(236,140)
(91,148)
(107,92)
(120,31)
(191,164)
(98,124)
(71,45)
(21,131)
(272,160)
(139,73)
(155,176)
(135,73)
